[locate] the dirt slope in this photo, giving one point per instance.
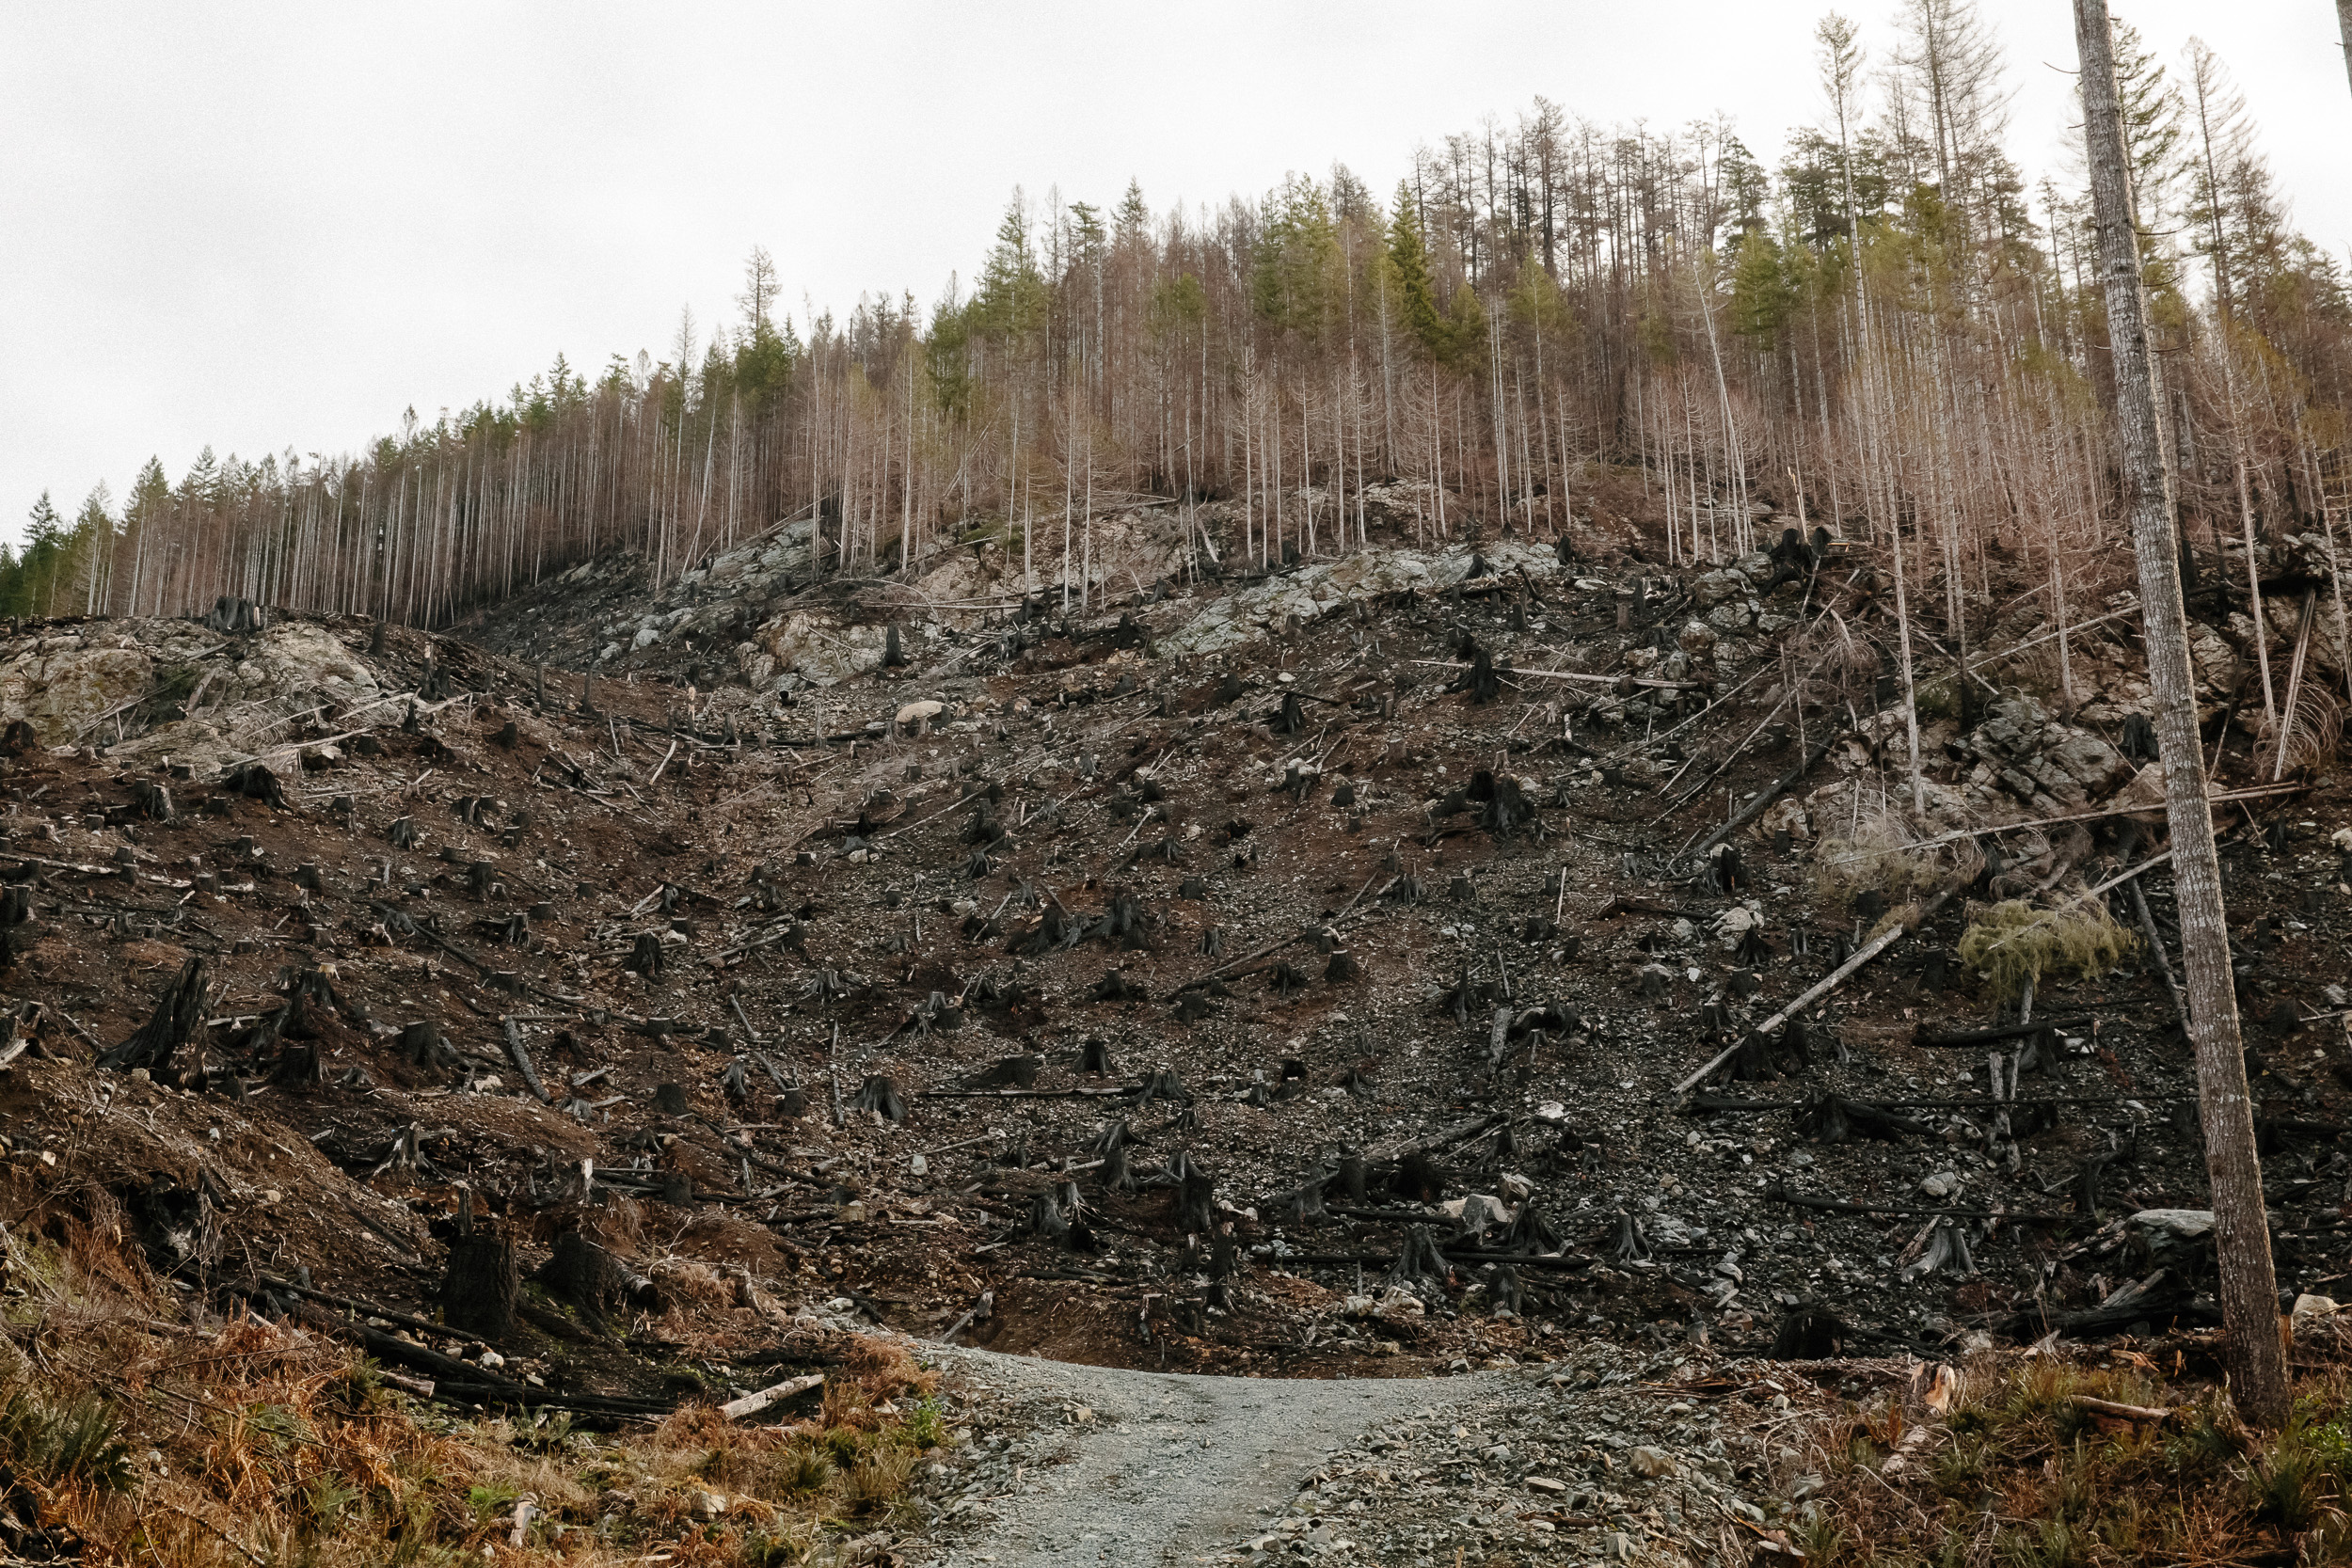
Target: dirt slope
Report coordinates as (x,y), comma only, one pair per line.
(1237,977)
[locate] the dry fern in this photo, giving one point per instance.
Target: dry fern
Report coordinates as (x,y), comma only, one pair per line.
(2313,731)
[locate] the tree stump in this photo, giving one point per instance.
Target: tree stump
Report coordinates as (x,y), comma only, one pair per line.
(880,1095)
(584,1274)
(1418,1259)
(483,1278)
(1195,1211)
(179,1013)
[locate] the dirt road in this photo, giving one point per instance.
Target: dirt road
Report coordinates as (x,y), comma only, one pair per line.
(1168,1468)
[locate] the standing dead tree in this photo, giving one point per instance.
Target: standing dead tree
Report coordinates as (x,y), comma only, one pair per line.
(2250,1296)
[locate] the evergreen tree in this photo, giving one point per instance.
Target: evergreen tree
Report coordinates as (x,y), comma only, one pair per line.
(1012,297)
(1296,273)
(1761,296)
(1409,270)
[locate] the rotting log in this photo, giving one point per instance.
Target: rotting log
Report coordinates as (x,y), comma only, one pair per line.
(522,1059)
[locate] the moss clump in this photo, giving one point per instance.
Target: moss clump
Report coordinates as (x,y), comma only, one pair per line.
(2015,945)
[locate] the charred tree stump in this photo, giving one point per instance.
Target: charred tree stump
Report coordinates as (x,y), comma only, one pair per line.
(1012,1072)
(1530,1231)
(256,782)
(179,1013)
(151,800)
(1164,1084)
(591,1278)
(1418,1259)
(422,1044)
(482,1279)
(880,1095)
(1352,1177)
(1504,1290)
(1810,1333)
(1196,1198)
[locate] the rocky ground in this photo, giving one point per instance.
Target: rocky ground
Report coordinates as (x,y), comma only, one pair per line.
(1603,1454)
(1281,974)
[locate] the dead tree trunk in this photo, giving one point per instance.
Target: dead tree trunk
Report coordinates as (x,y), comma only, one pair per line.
(2249,1294)
(2344,25)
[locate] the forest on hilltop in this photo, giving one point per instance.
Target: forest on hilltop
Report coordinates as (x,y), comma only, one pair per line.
(1897,330)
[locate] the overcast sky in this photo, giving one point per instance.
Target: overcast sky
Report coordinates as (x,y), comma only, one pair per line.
(266,226)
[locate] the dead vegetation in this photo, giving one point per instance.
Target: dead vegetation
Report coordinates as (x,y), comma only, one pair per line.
(136,1429)
(2062,1460)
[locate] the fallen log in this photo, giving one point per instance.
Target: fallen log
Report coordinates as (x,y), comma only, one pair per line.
(1836,977)
(1079,1093)
(752,1404)
(2122,1412)
(1839,1206)
(1965,1039)
(373,1309)
(1516,1260)
(522,1059)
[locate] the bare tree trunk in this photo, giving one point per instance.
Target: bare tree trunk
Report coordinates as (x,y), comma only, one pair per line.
(2250,1297)
(2344,25)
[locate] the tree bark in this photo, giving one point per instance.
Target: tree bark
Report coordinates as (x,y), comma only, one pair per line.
(483,1278)
(2249,1300)
(2343,23)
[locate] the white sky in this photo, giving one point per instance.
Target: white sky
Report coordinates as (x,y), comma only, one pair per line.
(271,224)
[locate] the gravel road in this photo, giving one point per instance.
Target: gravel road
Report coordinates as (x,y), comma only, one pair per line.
(1164,1467)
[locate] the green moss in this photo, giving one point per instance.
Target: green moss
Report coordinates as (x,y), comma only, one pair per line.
(2014,943)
